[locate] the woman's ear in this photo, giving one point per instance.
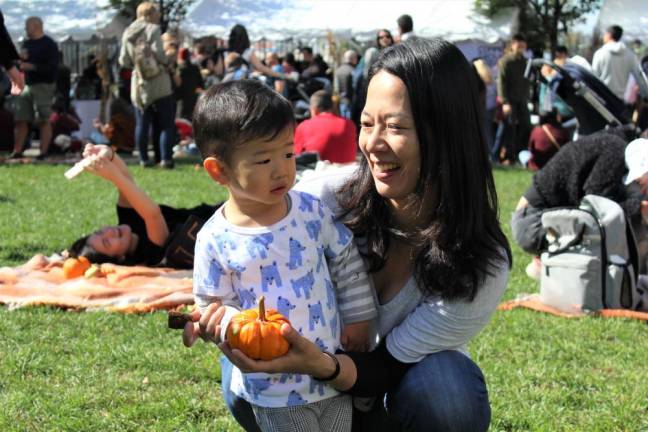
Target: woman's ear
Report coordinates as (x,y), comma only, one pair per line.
(216,170)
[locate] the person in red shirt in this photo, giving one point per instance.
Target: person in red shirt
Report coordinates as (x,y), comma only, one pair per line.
(546,140)
(331,136)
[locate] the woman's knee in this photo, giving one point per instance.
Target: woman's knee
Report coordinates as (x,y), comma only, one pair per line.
(446,391)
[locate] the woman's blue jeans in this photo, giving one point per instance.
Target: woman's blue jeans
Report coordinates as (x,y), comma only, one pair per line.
(445,391)
(161,115)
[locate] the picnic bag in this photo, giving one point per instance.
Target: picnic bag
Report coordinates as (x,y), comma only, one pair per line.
(144,59)
(591,260)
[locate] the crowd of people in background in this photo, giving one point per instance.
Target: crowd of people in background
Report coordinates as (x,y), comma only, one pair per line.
(158,78)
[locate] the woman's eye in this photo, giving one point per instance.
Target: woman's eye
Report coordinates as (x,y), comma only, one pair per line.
(393,126)
(365,125)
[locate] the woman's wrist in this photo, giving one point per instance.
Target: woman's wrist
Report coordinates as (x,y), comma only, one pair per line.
(328,367)
(336,368)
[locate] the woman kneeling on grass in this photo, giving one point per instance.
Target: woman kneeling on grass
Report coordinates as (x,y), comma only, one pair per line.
(423,208)
(148,233)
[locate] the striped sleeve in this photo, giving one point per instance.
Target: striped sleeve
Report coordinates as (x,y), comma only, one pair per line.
(353,290)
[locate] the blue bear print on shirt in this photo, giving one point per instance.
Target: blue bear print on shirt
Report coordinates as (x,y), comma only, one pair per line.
(333,324)
(236,268)
(313,228)
(306,202)
(225,242)
(320,258)
(320,343)
(344,235)
(247,298)
(295,254)
(315,315)
(284,306)
(286,376)
(270,276)
(316,384)
(259,245)
(295,399)
(255,386)
(215,273)
(304,283)
(330,294)
(293,223)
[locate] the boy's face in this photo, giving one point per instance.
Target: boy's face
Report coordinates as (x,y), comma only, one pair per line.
(262,172)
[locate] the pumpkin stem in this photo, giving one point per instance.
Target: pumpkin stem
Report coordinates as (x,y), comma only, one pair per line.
(262,313)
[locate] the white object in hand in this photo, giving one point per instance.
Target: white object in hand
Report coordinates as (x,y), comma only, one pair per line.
(77,168)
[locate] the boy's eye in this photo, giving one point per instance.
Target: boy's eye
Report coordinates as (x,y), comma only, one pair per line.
(290,155)
(263,162)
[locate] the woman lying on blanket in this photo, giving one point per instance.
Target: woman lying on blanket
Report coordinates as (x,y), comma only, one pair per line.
(148,233)
(423,208)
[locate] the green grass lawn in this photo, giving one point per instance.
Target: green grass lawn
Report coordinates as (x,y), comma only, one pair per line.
(102,371)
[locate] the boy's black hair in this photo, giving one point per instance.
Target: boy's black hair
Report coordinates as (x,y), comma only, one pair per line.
(235,112)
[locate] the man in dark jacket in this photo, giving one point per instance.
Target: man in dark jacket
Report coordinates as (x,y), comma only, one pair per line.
(513,92)
(39,62)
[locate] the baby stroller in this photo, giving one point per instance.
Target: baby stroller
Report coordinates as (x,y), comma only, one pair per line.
(593,103)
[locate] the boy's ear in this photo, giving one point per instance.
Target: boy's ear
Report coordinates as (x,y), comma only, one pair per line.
(216,170)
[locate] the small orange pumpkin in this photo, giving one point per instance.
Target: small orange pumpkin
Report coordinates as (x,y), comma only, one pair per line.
(257,333)
(75,267)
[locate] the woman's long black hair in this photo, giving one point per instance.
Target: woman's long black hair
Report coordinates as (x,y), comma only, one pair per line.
(461,242)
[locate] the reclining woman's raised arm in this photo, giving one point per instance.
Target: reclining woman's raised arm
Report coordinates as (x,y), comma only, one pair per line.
(110,166)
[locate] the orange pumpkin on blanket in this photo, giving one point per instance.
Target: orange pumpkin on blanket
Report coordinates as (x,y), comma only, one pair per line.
(257,333)
(75,267)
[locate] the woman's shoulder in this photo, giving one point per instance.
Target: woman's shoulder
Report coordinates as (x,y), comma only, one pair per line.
(324,181)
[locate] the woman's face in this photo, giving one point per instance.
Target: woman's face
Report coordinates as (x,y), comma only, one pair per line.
(388,139)
(384,40)
(114,241)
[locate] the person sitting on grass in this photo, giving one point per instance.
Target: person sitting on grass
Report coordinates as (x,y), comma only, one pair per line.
(593,164)
(423,209)
(147,233)
(265,239)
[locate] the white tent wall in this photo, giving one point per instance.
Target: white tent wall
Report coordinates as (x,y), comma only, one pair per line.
(311,20)
(631,15)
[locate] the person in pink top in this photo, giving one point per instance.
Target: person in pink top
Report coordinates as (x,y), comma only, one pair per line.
(331,136)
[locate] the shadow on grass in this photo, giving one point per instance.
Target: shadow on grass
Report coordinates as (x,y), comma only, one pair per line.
(6,199)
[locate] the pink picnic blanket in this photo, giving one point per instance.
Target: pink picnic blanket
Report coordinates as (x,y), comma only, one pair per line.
(127,289)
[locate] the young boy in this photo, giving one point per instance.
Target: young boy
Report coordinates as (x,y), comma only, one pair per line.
(285,245)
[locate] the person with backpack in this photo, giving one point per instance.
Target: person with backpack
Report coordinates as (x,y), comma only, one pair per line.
(594,165)
(151,93)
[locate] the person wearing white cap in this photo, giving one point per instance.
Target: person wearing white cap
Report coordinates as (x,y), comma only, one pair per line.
(594,164)
(636,159)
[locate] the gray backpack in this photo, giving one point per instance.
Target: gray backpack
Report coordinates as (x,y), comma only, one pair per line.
(591,260)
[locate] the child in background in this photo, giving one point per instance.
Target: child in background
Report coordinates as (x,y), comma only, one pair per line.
(282,244)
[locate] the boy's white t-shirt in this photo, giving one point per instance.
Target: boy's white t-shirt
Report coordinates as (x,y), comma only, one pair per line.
(286,263)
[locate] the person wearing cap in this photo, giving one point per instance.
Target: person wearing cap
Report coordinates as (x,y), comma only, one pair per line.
(594,164)
(636,158)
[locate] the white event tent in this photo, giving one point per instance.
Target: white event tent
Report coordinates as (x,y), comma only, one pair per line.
(455,20)
(631,15)
(79,19)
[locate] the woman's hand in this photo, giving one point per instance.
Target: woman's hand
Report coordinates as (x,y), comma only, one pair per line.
(303,357)
(100,151)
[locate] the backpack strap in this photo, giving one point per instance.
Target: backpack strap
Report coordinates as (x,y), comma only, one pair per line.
(550,136)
